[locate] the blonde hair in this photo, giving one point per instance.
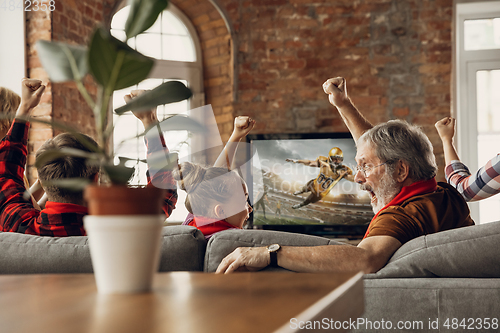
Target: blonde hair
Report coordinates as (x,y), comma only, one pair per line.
(206,187)
(9,102)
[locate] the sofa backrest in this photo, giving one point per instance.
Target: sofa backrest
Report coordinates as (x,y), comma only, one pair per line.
(472,252)
(183,249)
(465,252)
(225,242)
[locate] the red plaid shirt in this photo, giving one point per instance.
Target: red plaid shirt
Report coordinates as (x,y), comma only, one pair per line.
(18,214)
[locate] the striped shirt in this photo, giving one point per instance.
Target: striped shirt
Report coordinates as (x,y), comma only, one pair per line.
(483,184)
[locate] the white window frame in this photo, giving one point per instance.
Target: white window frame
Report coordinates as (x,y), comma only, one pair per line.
(467,64)
(13,51)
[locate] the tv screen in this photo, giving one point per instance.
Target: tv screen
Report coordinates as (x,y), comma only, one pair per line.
(305,183)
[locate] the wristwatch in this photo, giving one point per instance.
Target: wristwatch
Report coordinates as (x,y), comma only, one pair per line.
(273,254)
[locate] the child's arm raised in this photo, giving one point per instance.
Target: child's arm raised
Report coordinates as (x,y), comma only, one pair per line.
(154,144)
(32,91)
(446,130)
(477,186)
(242,126)
(18,213)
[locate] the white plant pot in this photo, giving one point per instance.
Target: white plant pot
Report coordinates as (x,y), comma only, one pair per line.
(125,251)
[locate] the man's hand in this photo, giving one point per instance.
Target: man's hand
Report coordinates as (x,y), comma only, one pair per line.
(336,89)
(446,128)
(32,90)
(337,92)
(245,259)
(148,118)
(242,126)
(291,160)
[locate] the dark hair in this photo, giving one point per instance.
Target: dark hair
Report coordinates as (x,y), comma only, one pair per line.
(205,186)
(66,167)
(9,102)
(398,140)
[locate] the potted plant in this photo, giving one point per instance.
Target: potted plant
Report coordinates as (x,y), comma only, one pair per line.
(124,225)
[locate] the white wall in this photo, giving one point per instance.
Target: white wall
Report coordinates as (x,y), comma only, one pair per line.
(12,47)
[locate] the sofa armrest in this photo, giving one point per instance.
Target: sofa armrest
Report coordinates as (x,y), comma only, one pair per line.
(225,242)
(469,252)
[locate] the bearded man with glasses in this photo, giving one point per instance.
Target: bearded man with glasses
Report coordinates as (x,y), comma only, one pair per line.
(396,165)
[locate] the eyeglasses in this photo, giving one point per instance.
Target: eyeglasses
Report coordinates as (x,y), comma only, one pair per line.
(364,170)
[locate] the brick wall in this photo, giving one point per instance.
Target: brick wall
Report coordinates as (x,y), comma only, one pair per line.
(71,22)
(395,55)
(216,44)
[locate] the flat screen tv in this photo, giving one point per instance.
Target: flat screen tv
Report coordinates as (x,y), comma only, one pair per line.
(279,189)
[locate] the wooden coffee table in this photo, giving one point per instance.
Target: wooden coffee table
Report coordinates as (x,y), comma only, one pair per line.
(180,302)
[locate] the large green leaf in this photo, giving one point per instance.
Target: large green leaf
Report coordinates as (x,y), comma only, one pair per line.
(114,64)
(143,14)
(63,62)
(165,93)
(118,174)
(161,161)
(181,122)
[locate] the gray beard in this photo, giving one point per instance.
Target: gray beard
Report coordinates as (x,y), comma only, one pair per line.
(386,192)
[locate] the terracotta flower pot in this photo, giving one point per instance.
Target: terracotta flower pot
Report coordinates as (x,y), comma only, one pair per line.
(123,200)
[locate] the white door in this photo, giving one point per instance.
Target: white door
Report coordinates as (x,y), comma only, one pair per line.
(478,93)
(483,90)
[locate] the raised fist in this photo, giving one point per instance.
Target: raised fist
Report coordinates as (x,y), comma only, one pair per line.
(32,90)
(242,126)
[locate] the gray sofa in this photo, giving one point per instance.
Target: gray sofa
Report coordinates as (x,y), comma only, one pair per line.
(427,283)
(183,249)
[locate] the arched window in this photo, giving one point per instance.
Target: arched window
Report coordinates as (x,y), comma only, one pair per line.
(172,40)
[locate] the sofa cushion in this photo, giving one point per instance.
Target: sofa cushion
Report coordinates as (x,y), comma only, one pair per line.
(465,252)
(28,254)
(225,242)
(183,249)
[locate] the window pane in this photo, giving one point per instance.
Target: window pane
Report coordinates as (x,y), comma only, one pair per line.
(150,84)
(149,44)
(167,39)
(119,34)
(156,27)
(488,128)
(178,48)
(482,34)
(172,25)
(488,101)
(119,19)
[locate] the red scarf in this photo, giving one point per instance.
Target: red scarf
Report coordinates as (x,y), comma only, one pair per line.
(210,226)
(59,208)
(417,188)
